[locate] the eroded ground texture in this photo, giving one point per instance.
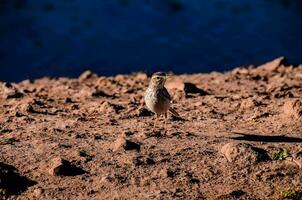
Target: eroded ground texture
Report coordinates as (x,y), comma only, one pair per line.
(91,138)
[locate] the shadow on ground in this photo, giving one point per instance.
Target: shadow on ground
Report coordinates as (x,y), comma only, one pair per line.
(11,182)
(266,138)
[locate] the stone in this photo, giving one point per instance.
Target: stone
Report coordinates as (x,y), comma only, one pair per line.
(127,145)
(293,109)
(243,153)
(87,75)
(38,192)
(272,65)
(297,159)
(10,91)
(62,167)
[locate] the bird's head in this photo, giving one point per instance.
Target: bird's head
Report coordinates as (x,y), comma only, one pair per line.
(158,79)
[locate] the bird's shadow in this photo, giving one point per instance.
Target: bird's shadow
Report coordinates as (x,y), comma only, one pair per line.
(266,138)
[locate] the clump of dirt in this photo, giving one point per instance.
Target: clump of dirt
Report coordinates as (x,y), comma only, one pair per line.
(293,109)
(126,144)
(62,167)
(243,153)
(239,136)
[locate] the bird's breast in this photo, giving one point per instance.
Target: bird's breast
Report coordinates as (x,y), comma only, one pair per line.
(156,101)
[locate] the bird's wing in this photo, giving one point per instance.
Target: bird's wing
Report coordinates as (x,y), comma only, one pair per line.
(166,94)
(174,112)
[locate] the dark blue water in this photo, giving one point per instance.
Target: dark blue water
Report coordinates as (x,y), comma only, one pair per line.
(66,37)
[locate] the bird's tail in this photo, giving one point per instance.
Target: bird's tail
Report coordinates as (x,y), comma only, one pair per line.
(174,112)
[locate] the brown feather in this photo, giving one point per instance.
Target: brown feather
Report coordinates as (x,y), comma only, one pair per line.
(173,112)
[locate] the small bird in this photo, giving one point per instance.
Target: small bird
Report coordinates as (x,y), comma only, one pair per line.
(157,98)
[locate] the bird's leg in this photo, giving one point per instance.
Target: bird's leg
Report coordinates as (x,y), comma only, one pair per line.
(155,120)
(166,117)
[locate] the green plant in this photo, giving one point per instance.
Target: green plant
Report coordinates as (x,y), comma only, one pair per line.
(282,154)
(293,194)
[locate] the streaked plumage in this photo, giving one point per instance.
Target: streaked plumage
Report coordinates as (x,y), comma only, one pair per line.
(157,98)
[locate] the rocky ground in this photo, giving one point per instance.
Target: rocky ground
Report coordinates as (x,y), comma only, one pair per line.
(91,137)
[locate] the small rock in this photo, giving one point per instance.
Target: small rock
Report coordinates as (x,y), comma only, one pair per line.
(272,65)
(297,159)
(126,145)
(10,91)
(87,75)
(293,109)
(61,167)
(38,192)
(298,154)
(243,153)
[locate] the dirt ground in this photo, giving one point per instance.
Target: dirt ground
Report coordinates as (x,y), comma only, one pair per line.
(240,137)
